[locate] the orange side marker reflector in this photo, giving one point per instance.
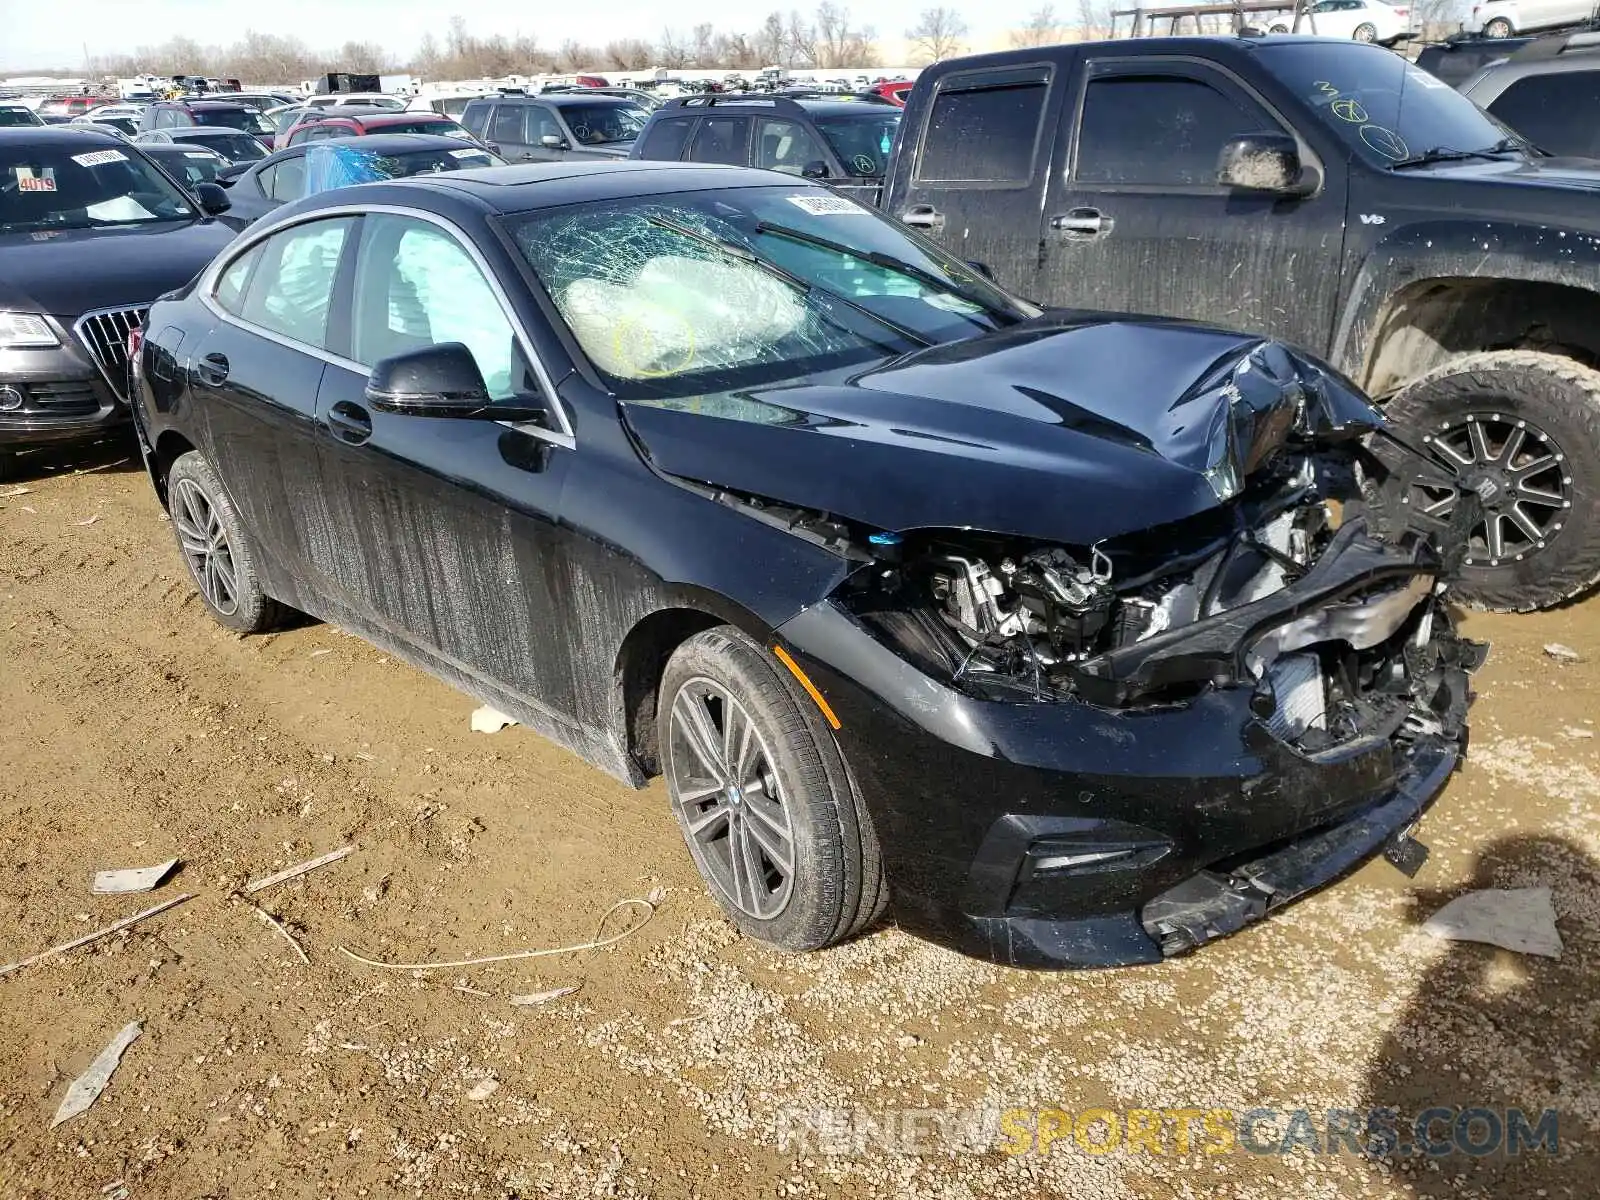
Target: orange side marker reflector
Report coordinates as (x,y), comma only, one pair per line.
(811,688)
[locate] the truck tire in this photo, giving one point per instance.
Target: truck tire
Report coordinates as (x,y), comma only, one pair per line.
(1522,429)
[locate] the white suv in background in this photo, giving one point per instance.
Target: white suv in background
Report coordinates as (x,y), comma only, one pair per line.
(1502,18)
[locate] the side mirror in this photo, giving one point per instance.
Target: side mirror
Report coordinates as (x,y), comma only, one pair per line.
(213,200)
(982,268)
(1263,162)
(553,141)
(817,169)
(442,381)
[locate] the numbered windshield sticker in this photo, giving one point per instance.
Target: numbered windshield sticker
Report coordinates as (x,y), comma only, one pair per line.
(827,206)
(99,158)
(31,179)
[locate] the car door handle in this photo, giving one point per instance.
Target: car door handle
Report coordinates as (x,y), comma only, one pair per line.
(1082,223)
(923,216)
(212,370)
(350,423)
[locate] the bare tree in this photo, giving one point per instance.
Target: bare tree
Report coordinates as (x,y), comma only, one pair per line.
(363,56)
(575,56)
(937,33)
(629,54)
(672,50)
(771,41)
(839,43)
(1040,29)
(1094,16)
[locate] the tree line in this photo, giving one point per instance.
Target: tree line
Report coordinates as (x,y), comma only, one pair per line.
(829,36)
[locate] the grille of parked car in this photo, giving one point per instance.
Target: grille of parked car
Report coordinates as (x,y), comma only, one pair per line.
(104,333)
(65,399)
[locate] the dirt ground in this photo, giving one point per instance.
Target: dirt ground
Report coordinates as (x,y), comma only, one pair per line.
(133,729)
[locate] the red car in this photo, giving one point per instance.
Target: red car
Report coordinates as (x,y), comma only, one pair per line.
(896,91)
(318,125)
(72,106)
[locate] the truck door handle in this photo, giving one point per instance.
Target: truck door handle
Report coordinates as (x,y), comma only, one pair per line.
(923,216)
(212,370)
(1082,223)
(350,423)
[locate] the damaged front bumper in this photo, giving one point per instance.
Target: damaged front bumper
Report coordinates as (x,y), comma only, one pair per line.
(1109,829)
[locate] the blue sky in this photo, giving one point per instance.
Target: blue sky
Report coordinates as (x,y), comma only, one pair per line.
(34,34)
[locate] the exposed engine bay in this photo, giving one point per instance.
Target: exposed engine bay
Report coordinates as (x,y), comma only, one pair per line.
(1339,634)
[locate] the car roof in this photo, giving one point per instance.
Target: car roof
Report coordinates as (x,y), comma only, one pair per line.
(562,99)
(527,188)
(380,116)
(57,135)
(381,143)
(175,148)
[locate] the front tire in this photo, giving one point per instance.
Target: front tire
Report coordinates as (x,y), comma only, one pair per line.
(216,549)
(765,801)
(1522,429)
(1365,32)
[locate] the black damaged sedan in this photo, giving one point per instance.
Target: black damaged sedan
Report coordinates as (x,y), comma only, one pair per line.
(1058,636)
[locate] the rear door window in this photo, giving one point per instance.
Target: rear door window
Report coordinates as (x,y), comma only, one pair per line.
(1159,130)
(786,146)
(286,181)
(1556,111)
(666,139)
(984,127)
(476,117)
(509,127)
(291,290)
(722,139)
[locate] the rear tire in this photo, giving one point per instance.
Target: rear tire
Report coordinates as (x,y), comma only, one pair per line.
(1498,28)
(216,549)
(766,804)
(1365,32)
(1494,418)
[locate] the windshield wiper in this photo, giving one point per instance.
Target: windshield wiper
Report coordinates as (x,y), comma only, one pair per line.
(877,258)
(1446,154)
(804,286)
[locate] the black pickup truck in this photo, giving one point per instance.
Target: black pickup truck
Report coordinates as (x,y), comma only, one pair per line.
(1325,193)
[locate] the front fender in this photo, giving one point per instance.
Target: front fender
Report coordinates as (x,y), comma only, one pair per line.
(1415,256)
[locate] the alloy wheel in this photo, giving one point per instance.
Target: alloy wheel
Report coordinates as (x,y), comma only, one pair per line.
(205,546)
(1519,475)
(730,799)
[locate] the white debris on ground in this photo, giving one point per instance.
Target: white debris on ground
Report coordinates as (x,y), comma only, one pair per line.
(489,720)
(86,1088)
(131,879)
(1562,653)
(1520,919)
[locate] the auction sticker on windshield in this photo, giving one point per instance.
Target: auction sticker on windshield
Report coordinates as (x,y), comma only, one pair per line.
(827,206)
(29,180)
(99,158)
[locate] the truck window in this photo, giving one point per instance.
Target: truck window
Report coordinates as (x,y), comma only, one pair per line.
(722,140)
(1159,130)
(1556,111)
(984,127)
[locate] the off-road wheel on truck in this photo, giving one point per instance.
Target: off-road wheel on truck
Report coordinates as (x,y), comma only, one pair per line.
(1521,429)
(216,549)
(763,797)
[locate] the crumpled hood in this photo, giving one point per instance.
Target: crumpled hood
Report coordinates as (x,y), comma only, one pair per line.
(1068,428)
(76,270)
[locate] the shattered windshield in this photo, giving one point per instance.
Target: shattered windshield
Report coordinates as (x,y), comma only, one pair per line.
(50,187)
(862,143)
(1381,106)
(704,291)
